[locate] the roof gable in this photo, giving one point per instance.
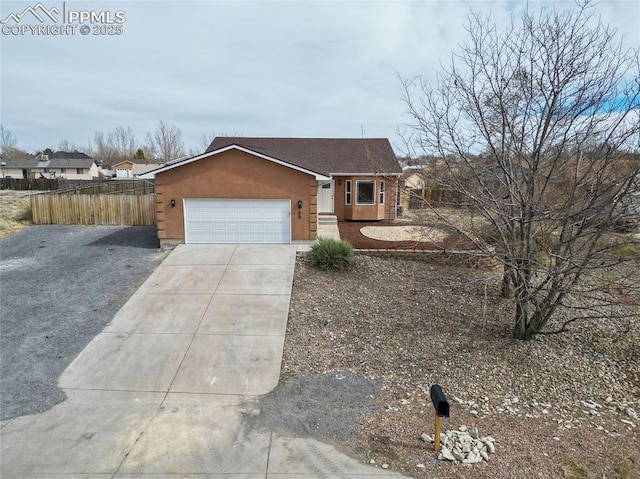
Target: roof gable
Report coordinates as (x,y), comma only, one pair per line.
(176,164)
(329,156)
(128,162)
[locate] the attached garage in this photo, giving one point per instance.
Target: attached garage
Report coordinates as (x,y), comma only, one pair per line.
(237,221)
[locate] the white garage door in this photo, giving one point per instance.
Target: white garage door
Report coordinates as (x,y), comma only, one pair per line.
(237,221)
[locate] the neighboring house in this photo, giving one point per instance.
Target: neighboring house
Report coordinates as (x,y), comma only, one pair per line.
(271,190)
(61,164)
(132,168)
(413,186)
(414,178)
(19,167)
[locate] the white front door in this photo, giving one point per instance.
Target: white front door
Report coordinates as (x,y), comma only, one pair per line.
(237,221)
(325,196)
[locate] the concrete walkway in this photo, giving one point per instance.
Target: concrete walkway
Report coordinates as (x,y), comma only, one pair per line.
(165,389)
(328,227)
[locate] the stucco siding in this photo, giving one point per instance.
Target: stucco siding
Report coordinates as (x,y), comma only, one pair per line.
(354,211)
(234,175)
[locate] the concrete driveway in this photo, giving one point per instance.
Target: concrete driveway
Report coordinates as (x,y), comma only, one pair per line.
(169,385)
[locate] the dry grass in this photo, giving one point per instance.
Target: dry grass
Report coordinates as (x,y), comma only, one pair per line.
(461,217)
(15,211)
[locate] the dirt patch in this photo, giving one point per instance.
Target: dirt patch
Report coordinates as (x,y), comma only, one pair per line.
(323,406)
(555,405)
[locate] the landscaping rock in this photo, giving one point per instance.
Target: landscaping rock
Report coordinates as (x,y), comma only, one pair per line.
(446,454)
(461,446)
(490,447)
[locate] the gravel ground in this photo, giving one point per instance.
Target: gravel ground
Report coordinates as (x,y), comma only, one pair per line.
(446,238)
(558,406)
(405,233)
(60,286)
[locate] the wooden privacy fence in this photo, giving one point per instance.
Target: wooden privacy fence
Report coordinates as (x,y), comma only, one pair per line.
(420,198)
(24,184)
(111,187)
(101,209)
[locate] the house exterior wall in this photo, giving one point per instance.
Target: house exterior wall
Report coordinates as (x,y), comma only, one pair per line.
(356,212)
(71,173)
(12,172)
(123,169)
(414,181)
(68,173)
(56,171)
(234,175)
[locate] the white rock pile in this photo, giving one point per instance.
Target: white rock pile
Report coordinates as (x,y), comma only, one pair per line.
(467,447)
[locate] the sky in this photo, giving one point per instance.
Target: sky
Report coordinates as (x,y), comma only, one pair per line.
(250,68)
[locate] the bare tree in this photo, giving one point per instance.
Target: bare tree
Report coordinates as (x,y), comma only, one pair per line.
(206,140)
(103,150)
(123,142)
(120,144)
(66,145)
(9,144)
(165,143)
(537,126)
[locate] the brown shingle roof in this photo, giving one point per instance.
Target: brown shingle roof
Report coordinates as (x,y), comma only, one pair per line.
(322,155)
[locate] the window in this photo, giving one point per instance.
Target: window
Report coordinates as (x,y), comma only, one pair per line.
(382,192)
(46,170)
(63,170)
(365,194)
(80,171)
(347,194)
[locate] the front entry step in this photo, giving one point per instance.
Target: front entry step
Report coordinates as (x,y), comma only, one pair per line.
(327,220)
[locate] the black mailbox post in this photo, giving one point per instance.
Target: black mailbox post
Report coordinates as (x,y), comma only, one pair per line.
(441,407)
(439,401)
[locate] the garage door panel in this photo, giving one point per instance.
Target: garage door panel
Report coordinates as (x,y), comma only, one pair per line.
(237,221)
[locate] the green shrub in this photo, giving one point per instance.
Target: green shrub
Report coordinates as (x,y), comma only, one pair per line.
(330,254)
